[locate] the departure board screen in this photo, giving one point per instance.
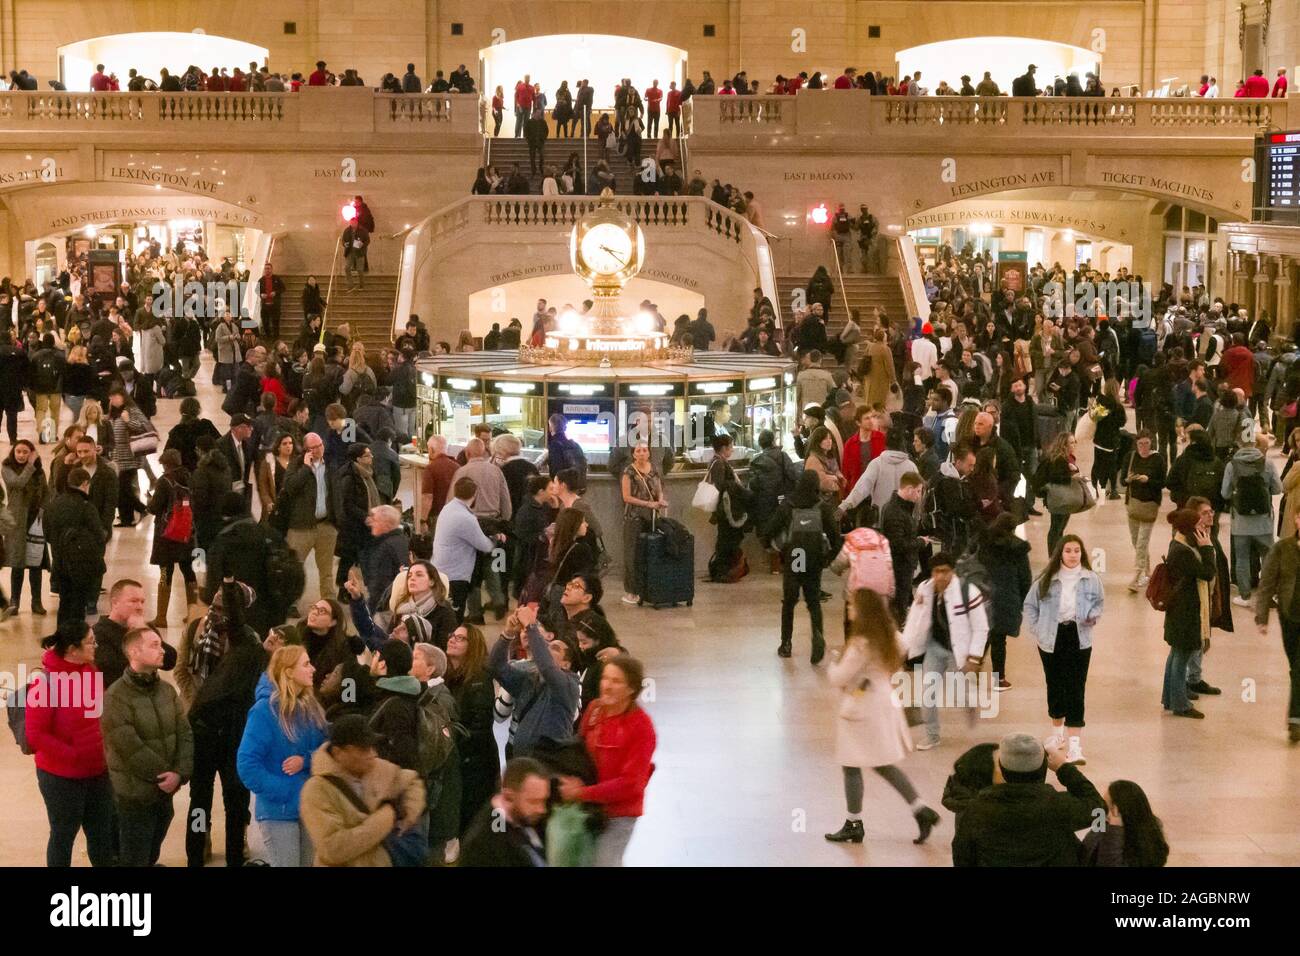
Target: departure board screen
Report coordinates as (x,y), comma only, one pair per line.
(1283,184)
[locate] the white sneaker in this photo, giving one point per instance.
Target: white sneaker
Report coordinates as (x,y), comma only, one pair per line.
(631,599)
(1242,602)
(1052,741)
(1075,754)
(928,743)
(1143,581)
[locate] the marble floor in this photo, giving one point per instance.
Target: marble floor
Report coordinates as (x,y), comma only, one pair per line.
(744,768)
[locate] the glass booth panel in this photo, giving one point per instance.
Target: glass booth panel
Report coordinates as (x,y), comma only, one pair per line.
(713,407)
(457,413)
(769,404)
(521,415)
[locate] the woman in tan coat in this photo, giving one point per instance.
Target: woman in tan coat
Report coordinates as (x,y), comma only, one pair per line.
(876,373)
(1290,486)
(347,827)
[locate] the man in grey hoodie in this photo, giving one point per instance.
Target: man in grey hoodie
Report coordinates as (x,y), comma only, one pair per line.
(880,480)
(1249,483)
(544,688)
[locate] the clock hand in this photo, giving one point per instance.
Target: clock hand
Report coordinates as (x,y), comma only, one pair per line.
(617,258)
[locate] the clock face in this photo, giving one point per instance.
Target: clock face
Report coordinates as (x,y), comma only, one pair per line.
(606,249)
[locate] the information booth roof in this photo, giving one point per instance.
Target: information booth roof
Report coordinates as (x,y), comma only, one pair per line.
(506,365)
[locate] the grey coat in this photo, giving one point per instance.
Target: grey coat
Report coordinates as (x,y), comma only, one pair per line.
(152,341)
(229,351)
(25,492)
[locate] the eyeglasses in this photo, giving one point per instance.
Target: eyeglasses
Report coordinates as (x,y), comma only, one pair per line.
(320,609)
(575,586)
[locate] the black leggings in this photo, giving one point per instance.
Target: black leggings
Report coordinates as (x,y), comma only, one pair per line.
(16,585)
(892,775)
(214,753)
(998,652)
(128,497)
(168,571)
(1066,670)
(1104,469)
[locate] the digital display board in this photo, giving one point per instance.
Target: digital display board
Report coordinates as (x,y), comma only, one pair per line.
(1277,180)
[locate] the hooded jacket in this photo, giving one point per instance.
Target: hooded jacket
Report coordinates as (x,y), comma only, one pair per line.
(968,626)
(145,734)
(1250,461)
(66,740)
(265,747)
(880,479)
(343,834)
(395,718)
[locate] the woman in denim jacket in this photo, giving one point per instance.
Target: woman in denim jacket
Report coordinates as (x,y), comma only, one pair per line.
(1062,608)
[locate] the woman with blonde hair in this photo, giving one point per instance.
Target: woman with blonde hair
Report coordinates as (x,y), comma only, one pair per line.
(358,380)
(284,728)
(871,730)
(91,420)
(466,342)
(79,379)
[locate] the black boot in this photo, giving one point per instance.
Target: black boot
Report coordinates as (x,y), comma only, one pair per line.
(926,820)
(851,832)
(818,651)
(783,650)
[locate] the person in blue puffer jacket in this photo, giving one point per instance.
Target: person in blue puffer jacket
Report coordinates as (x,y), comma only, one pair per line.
(1062,609)
(284,728)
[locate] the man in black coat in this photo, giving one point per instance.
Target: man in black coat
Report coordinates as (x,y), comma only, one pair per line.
(1024,820)
(1008,462)
(125,601)
(536,133)
(521,806)
(239,449)
(1025,85)
(355,486)
(247,388)
(899,520)
(76,537)
(240,551)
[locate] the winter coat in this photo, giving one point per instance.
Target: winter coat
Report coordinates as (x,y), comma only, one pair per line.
(1042,614)
(127,425)
(1186,565)
(25,492)
(1007,562)
(153,341)
(74,511)
(264,748)
(544,694)
(394,716)
(1250,461)
(1290,502)
(879,481)
(622,747)
(146,733)
(870,728)
(67,739)
(209,483)
(382,559)
(239,549)
(165,551)
(882,375)
(1027,824)
(772,473)
(352,508)
(344,835)
(967,621)
(183,437)
(228,348)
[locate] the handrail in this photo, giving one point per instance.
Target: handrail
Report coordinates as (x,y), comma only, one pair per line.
(844,296)
(329,290)
(913,281)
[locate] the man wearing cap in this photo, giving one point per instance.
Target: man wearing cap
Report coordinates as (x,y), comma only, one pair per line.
(355,799)
(237,447)
(925,353)
(1024,820)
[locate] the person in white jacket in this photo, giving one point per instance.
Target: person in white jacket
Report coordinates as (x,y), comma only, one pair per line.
(870,729)
(948,626)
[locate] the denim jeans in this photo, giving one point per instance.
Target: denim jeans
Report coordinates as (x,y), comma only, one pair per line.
(1249,549)
(1173,696)
(287,843)
(938,660)
(74,403)
(1194,666)
(73,804)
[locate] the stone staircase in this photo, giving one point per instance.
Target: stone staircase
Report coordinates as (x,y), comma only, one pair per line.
(505,151)
(864,293)
(368,312)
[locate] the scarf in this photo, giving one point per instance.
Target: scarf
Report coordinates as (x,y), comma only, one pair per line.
(419,607)
(1202,592)
(367,473)
(211,643)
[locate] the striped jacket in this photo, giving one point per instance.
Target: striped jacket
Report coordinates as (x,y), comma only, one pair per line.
(968,624)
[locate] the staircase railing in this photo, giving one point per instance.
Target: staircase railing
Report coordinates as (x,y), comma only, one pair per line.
(329,289)
(839,274)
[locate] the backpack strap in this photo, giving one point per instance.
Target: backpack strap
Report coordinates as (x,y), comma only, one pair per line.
(348,792)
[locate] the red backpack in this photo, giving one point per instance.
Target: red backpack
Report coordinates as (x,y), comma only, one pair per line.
(180,519)
(870,565)
(1159,588)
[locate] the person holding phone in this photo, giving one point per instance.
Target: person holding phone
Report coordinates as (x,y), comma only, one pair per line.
(1191,564)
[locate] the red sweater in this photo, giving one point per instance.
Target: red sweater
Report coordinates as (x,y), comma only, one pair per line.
(1279,86)
(852,464)
(66,738)
(1257,86)
(674,102)
(523,95)
(652,97)
(621,748)
(843,82)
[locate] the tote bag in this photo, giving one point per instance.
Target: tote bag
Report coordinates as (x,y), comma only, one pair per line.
(707,495)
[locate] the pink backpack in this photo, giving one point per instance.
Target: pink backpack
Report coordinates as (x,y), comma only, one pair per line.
(870,564)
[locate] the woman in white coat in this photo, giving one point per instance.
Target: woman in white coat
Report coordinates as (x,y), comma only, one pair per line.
(870,729)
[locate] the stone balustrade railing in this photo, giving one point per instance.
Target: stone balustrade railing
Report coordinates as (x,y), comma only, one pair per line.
(857,113)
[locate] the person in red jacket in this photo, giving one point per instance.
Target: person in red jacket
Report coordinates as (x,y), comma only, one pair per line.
(63,708)
(1238,365)
(862,446)
(99,80)
(620,738)
(653,97)
(845,80)
(1279,85)
(236,83)
(1257,85)
(321,77)
(673,107)
(523,104)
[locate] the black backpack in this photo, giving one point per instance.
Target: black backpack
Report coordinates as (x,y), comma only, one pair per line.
(79,549)
(807,533)
(1204,478)
(1250,495)
(285,577)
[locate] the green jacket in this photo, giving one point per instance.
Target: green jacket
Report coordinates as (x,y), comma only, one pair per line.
(145,733)
(1277,579)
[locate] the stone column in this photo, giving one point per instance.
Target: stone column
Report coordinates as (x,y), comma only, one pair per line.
(1263,283)
(1284,322)
(1241,294)
(1229,274)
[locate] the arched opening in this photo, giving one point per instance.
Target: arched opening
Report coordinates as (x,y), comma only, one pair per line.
(149,53)
(602,59)
(1004,57)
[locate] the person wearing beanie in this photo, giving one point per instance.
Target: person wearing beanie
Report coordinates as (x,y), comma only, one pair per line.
(355,799)
(925,353)
(1024,820)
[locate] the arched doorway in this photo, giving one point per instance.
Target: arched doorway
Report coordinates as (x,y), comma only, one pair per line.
(602,59)
(149,53)
(1005,57)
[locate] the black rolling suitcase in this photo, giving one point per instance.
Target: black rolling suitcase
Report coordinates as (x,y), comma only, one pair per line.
(666,559)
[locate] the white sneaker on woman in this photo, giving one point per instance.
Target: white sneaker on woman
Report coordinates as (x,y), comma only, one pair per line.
(631,599)
(1075,754)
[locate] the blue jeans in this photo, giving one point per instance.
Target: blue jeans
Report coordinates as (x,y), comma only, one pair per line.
(938,660)
(404,419)
(1173,696)
(287,843)
(74,403)
(1194,666)
(1246,549)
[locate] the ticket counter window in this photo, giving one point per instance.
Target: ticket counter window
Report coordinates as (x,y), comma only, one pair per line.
(458,410)
(717,407)
(520,409)
(654,413)
(769,405)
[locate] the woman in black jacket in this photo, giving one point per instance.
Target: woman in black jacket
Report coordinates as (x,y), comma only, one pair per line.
(232,661)
(1105,442)
(1144,490)
(471,685)
(185,434)
(1191,566)
(1006,557)
(803,560)
(571,554)
(728,564)
(173,533)
(533,516)
(313,303)
(821,290)
(1057,467)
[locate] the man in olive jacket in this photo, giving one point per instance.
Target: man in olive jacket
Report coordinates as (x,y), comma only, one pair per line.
(1025,821)
(149,747)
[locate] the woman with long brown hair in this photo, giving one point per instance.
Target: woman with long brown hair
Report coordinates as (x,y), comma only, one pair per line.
(470,683)
(871,730)
(571,555)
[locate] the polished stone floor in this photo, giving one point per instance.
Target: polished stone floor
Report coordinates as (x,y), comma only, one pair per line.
(744,770)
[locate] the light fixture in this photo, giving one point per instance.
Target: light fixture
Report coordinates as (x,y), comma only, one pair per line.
(515,388)
(714,388)
(649,389)
(759,384)
(463,384)
(349,212)
(819,215)
(586,390)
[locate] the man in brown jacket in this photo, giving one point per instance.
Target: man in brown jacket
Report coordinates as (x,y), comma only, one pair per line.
(347,776)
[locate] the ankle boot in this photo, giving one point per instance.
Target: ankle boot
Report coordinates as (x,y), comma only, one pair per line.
(851,832)
(191,594)
(926,820)
(159,621)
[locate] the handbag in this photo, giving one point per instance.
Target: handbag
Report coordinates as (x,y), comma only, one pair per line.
(707,495)
(145,443)
(404,847)
(1071,498)
(35,543)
